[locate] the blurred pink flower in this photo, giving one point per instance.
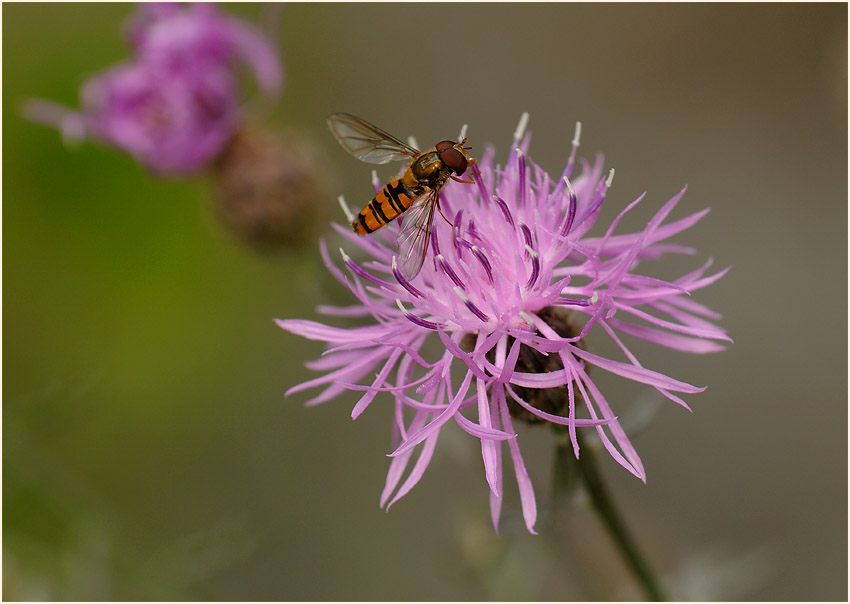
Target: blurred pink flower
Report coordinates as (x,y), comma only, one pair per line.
(177,104)
(522,280)
(189,38)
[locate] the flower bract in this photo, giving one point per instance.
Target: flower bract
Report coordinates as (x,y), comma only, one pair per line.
(176,104)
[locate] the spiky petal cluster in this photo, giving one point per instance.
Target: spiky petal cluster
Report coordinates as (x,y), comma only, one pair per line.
(521,246)
(177,103)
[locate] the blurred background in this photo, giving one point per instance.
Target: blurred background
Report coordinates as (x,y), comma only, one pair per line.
(149,452)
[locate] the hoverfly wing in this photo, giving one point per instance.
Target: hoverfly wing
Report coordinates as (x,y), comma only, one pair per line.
(367,142)
(415,234)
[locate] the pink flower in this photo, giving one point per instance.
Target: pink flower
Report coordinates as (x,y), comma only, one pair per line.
(170,124)
(511,300)
(177,104)
(192,37)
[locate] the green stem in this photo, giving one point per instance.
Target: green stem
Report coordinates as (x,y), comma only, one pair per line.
(564,474)
(600,497)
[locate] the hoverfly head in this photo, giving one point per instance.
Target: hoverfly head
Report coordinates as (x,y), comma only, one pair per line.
(454,155)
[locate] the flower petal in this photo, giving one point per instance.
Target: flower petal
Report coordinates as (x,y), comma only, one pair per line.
(423,433)
(488,447)
(526,490)
(638,374)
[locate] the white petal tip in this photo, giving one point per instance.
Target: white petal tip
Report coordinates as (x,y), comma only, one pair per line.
(520,129)
(528,318)
(345,209)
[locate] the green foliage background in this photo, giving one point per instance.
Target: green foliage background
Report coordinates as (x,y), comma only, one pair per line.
(149,453)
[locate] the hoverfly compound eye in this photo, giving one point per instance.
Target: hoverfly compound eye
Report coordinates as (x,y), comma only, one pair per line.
(453,159)
(443,145)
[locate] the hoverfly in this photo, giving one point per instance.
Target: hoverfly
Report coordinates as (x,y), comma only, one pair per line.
(417,192)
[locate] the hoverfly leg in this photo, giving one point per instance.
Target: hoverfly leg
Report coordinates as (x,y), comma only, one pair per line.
(472,162)
(450,223)
(440,210)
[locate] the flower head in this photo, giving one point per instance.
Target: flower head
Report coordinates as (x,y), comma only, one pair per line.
(511,292)
(269,189)
(170,124)
(188,38)
(177,104)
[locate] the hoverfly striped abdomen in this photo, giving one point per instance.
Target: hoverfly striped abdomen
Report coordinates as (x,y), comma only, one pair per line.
(393,199)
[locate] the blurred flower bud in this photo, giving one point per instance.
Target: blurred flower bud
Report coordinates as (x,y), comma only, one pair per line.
(268,190)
